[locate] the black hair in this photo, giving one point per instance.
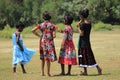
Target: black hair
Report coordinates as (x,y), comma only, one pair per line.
(46,15)
(39,21)
(68,19)
(20,24)
(84,13)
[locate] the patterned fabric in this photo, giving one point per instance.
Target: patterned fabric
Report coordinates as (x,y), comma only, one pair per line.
(47,48)
(68,54)
(18,55)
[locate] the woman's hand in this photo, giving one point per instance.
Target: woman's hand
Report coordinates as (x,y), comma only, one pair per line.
(78,24)
(22,49)
(34,31)
(59,30)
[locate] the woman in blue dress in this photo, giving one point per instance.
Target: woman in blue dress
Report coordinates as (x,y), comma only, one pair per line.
(21,54)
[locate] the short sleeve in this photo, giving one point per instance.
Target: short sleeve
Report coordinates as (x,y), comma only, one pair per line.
(82,26)
(54,27)
(38,26)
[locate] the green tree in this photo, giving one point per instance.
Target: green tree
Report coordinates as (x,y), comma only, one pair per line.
(29,11)
(72,7)
(11,11)
(104,10)
(50,5)
(36,9)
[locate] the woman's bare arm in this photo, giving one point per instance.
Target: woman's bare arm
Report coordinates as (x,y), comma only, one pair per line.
(34,31)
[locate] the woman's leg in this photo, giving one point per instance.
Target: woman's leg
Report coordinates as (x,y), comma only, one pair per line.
(48,68)
(69,70)
(99,70)
(23,69)
(85,71)
(62,69)
(14,68)
(42,66)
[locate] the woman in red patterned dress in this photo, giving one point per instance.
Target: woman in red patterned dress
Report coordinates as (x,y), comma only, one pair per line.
(67,51)
(47,48)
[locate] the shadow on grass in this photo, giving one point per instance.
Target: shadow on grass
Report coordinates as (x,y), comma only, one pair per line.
(81,75)
(97,74)
(64,75)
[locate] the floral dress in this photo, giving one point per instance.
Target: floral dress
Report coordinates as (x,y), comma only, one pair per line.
(68,54)
(47,48)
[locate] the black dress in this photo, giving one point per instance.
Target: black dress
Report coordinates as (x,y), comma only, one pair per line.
(85,53)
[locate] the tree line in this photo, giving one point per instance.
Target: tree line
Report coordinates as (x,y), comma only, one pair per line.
(30,11)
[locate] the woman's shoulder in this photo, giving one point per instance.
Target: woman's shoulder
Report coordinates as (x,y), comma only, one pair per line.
(46,23)
(87,22)
(18,34)
(67,28)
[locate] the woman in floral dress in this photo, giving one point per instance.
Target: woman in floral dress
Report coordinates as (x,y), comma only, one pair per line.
(47,48)
(67,51)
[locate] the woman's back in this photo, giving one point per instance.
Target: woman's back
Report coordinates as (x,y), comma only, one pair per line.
(14,39)
(85,39)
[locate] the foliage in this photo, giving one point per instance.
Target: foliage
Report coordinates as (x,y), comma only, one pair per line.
(49,5)
(105,10)
(6,32)
(29,11)
(102,26)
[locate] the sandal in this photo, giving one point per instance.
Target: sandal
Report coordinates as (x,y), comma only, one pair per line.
(48,75)
(61,74)
(68,74)
(83,73)
(99,71)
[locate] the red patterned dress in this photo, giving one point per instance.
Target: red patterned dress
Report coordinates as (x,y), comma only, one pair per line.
(47,48)
(68,54)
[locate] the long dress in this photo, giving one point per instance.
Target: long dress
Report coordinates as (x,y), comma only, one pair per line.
(79,37)
(18,55)
(85,53)
(47,48)
(78,42)
(68,55)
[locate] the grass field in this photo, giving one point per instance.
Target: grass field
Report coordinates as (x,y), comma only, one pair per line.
(106,47)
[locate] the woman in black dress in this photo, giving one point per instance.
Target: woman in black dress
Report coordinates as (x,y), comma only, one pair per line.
(85,54)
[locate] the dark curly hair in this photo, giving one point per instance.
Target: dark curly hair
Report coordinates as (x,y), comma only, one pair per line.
(46,15)
(84,13)
(20,24)
(68,19)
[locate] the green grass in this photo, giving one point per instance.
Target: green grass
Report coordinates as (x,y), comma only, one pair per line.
(105,44)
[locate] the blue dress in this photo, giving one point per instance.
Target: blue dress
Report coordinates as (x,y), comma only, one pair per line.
(18,55)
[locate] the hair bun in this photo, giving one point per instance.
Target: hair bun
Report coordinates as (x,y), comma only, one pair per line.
(46,15)
(84,13)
